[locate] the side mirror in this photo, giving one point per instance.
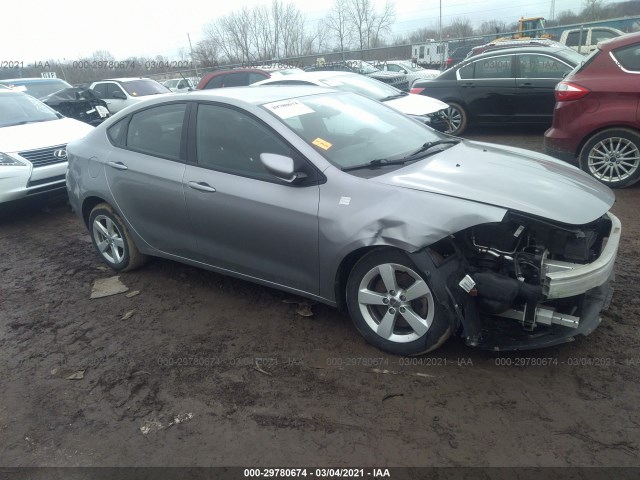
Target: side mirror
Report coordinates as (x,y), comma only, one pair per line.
(281,166)
(403,71)
(118,95)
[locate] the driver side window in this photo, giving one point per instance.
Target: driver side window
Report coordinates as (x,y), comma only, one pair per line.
(230,141)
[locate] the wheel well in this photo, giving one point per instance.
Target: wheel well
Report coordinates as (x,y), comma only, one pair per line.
(345,267)
(590,135)
(88,205)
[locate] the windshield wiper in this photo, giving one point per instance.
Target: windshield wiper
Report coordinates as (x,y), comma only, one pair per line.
(383,162)
(378,162)
(429,145)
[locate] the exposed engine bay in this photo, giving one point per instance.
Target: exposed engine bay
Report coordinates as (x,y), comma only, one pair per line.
(506,271)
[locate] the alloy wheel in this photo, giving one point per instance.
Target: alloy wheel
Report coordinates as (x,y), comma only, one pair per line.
(613,159)
(108,239)
(396,303)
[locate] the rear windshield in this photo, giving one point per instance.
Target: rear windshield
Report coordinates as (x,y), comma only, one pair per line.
(142,87)
(39,89)
(629,57)
(585,61)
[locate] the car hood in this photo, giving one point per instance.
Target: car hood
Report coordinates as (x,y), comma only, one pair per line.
(413,104)
(386,75)
(511,178)
(41,135)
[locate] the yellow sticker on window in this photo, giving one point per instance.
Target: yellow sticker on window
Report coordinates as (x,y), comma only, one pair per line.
(323,144)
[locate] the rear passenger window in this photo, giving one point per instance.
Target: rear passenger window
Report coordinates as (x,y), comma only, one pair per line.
(116,132)
(157,131)
(493,67)
(629,57)
(466,72)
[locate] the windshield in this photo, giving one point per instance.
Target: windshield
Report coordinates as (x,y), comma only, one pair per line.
(142,87)
(17,108)
(366,86)
(350,130)
(39,89)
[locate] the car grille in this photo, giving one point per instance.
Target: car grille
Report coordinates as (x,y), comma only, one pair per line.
(43,156)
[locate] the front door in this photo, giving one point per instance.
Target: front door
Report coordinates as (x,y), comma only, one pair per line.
(246,220)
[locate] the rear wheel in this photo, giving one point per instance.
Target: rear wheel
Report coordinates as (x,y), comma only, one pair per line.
(112,239)
(392,305)
(457,118)
(613,157)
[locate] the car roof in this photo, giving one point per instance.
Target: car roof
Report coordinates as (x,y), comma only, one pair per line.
(315,75)
(523,49)
(124,79)
(255,96)
(18,81)
(618,42)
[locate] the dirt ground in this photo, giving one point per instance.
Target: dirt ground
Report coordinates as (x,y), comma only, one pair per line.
(199,369)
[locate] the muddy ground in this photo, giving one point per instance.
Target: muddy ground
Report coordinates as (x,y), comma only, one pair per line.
(210,371)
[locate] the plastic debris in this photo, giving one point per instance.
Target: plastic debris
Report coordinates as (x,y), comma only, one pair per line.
(128,315)
(132,294)
(105,287)
(79,375)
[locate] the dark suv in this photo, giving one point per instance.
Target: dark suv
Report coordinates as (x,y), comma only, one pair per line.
(398,80)
(597,115)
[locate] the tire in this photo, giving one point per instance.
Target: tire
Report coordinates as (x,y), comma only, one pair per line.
(382,312)
(613,157)
(457,117)
(112,239)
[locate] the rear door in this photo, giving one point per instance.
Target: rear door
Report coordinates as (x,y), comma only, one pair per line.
(145,177)
(487,87)
(537,76)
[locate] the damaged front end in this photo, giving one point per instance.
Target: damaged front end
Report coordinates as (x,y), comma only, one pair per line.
(79,103)
(524,282)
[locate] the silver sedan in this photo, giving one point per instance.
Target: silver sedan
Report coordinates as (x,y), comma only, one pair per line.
(336,197)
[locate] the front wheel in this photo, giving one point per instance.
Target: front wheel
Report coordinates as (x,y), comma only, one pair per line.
(392,305)
(457,118)
(613,157)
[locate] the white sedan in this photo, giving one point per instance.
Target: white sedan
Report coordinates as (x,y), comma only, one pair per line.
(33,140)
(426,109)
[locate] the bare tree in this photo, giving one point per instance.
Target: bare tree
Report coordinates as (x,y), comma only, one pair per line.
(459,28)
(492,27)
(593,10)
(337,22)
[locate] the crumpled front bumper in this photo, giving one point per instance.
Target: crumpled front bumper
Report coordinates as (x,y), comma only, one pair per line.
(564,279)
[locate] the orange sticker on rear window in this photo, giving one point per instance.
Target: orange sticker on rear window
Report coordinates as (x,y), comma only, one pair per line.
(323,144)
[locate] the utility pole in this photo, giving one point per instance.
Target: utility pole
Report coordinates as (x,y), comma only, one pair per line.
(440,34)
(552,11)
(191,47)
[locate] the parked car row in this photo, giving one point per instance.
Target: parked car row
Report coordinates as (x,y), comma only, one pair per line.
(317,183)
(323,193)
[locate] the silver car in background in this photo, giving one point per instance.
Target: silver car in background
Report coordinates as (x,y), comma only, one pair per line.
(336,197)
(425,109)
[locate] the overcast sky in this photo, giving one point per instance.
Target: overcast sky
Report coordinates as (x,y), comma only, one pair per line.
(38,30)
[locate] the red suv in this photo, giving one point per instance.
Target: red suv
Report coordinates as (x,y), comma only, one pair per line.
(239,77)
(597,115)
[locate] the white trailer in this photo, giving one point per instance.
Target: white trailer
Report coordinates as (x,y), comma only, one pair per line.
(431,53)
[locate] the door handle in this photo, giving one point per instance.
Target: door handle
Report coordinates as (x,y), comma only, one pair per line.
(118,165)
(526,85)
(202,186)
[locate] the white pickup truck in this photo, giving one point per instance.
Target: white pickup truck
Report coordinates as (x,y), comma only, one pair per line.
(584,40)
